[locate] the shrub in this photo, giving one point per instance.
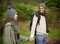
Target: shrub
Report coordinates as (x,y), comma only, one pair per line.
(1,14)
(24,11)
(53,3)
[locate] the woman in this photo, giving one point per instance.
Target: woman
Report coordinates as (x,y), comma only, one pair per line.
(40,25)
(9,36)
(9,28)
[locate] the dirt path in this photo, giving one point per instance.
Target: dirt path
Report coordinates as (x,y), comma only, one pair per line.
(53,41)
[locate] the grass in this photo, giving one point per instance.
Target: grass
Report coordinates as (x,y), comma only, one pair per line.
(1,40)
(24,30)
(54,33)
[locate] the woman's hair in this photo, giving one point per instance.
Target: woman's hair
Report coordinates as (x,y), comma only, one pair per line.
(8,19)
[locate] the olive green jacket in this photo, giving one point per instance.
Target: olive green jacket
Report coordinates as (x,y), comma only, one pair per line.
(8,34)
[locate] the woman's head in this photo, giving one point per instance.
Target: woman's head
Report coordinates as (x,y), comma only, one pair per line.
(42,8)
(11,13)
(11,16)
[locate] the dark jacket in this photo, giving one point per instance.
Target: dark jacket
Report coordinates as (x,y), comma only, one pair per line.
(38,15)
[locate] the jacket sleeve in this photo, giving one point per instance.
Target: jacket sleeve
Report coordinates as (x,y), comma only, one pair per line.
(33,26)
(8,34)
(47,24)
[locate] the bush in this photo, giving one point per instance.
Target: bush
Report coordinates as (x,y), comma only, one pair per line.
(54,33)
(24,11)
(1,14)
(51,16)
(51,3)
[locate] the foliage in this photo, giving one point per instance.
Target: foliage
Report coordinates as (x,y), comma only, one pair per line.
(51,16)
(53,3)
(1,13)
(54,33)
(1,40)
(24,11)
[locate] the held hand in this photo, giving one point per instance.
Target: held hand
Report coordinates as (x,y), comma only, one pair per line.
(31,39)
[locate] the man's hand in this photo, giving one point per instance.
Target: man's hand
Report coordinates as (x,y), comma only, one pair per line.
(31,39)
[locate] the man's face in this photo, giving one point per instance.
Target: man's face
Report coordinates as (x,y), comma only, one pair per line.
(41,9)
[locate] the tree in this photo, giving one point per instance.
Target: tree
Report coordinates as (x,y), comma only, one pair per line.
(53,3)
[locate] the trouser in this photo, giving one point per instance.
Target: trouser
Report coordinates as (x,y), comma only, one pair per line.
(41,39)
(35,40)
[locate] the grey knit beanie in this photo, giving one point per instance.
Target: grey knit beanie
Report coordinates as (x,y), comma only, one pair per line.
(11,12)
(43,5)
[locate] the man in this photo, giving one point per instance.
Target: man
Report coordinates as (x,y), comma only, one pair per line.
(40,25)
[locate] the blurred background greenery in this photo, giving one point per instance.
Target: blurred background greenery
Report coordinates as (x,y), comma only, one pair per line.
(25,8)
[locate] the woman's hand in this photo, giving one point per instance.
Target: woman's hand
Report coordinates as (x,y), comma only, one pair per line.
(31,39)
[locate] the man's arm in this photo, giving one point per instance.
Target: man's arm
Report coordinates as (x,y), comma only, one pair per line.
(33,27)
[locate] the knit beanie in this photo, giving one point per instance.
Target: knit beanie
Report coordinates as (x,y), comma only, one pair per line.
(11,12)
(43,5)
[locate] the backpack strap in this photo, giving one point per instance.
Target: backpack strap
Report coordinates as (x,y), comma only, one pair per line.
(31,20)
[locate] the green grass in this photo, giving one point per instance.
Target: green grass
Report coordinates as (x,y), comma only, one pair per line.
(1,40)
(54,33)
(24,30)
